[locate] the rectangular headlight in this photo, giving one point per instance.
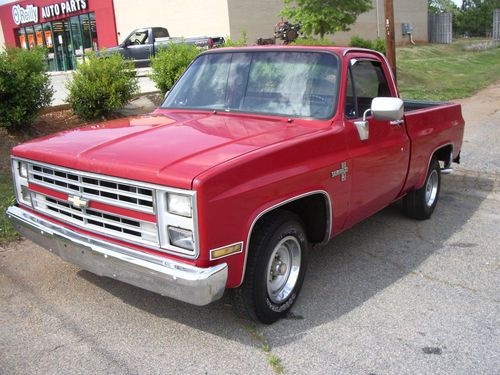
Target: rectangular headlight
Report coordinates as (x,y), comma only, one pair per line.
(23,169)
(181,237)
(179,204)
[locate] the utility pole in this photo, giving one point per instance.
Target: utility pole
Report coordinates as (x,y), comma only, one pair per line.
(390,43)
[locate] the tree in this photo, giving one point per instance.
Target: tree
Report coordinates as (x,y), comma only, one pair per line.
(440,6)
(476,16)
(320,17)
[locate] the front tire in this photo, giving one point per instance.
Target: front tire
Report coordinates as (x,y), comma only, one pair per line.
(420,204)
(276,267)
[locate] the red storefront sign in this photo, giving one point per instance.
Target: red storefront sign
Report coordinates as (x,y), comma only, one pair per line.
(28,13)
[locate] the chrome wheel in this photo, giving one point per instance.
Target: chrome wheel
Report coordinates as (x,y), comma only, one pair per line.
(283,269)
(431,188)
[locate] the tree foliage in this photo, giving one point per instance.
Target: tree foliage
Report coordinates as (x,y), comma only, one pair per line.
(320,17)
(440,6)
(473,17)
(476,17)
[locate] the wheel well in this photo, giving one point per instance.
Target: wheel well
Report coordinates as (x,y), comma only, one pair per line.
(444,154)
(314,211)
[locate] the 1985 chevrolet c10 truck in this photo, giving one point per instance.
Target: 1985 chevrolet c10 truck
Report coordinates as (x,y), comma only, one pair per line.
(256,154)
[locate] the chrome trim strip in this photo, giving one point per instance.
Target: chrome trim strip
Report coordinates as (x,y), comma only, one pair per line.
(184,282)
(228,255)
(329,221)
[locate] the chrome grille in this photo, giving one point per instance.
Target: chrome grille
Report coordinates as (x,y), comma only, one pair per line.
(94,187)
(124,228)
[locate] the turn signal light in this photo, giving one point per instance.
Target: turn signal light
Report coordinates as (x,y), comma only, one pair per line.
(226,250)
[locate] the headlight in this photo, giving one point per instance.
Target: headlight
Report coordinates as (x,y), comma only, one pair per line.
(181,238)
(179,204)
(23,169)
(177,215)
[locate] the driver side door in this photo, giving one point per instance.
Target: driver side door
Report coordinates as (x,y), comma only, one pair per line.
(379,163)
(138,46)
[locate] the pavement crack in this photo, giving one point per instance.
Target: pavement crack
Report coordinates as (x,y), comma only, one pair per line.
(273,360)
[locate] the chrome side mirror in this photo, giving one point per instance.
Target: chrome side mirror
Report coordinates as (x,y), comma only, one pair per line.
(384,109)
(166,94)
(387,109)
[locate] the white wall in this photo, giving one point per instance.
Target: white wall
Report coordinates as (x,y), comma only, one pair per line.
(181,17)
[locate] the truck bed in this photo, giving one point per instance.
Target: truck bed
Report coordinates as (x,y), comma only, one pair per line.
(431,125)
(413,104)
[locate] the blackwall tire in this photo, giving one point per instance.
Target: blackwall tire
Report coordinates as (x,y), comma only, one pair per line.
(276,266)
(420,204)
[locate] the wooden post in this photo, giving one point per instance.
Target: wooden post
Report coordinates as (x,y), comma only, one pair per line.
(390,43)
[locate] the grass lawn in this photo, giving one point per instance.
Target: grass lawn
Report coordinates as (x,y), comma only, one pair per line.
(445,72)
(7,233)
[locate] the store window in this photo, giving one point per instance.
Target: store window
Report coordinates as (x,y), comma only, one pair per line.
(67,41)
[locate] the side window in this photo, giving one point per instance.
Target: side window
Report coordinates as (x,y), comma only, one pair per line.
(139,37)
(369,82)
(160,33)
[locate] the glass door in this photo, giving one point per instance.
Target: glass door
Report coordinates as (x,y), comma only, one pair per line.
(49,44)
(62,45)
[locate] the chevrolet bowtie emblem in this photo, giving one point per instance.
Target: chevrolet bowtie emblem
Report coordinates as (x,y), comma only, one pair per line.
(78,202)
(342,172)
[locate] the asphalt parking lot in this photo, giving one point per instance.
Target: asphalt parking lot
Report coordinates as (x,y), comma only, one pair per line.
(390,296)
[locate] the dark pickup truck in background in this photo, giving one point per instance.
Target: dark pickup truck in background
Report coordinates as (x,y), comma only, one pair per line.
(143,43)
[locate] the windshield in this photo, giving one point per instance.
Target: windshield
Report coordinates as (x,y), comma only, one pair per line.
(291,84)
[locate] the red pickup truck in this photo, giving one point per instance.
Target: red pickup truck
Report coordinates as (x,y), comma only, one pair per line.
(256,154)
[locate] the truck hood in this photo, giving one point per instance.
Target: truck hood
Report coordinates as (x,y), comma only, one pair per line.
(167,149)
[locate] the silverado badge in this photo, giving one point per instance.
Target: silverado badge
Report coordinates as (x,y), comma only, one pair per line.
(342,172)
(78,202)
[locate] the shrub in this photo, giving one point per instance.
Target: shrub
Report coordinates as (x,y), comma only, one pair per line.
(312,42)
(25,87)
(377,44)
(357,41)
(241,42)
(102,85)
(170,62)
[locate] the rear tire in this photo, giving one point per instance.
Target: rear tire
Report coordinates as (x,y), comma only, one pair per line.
(420,204)
(276,266)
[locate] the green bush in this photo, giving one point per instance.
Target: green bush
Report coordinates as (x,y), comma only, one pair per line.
(170,62)
(312,42)
(241,42)
(102,85)
(357,41)
(377,44)
(24,86)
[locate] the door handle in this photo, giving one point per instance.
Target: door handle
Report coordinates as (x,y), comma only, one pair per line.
(397,122)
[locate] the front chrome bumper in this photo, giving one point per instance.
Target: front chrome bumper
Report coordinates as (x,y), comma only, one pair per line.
(198,286)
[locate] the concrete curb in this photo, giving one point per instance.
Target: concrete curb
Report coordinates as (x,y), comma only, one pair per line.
(139,72)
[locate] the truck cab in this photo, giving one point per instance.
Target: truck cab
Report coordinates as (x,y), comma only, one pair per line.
(139,44)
